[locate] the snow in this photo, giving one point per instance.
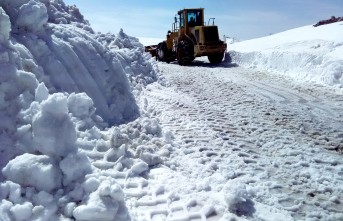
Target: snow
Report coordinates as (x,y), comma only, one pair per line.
(5,30)
(237,197)
(251,149)
(32,16)
(74,167)
(150,41)
(103,204)
(53,131)
(40,172)
(22,212)
(307,53)
(92,128)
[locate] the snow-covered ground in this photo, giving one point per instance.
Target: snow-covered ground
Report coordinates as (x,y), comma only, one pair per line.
(307,53)
(92,128)
(150,41)
(251,144)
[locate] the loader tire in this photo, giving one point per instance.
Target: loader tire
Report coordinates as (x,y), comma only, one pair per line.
(216,58)
(185,52)
(161,51)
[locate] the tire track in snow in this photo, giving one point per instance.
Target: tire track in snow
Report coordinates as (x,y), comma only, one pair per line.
(232,135)
(315,110)
(147,196)
(284,96)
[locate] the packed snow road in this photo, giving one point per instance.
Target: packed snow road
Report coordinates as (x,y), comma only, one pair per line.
(250,145)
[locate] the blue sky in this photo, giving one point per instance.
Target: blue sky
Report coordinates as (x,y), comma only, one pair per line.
(244,19)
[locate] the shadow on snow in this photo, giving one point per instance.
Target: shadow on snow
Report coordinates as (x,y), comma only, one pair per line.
(226,63)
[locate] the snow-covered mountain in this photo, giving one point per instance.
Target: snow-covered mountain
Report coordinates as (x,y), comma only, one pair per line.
(81,135)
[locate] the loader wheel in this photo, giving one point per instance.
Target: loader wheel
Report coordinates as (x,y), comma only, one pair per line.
(185,52)
(216,58)
(161,51)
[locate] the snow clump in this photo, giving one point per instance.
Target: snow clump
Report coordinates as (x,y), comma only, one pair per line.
(238,198)
(53,131)
(33,16)
(5,25)
(103,204)
(38,171)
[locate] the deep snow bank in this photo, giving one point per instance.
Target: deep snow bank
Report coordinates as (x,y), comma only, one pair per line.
(57,45)
(56,78)
(307,53)
(130,52)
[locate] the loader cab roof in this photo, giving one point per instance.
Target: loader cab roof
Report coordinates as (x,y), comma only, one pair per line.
(189,9)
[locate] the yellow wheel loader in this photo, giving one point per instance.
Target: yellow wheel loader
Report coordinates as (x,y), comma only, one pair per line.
(189,38)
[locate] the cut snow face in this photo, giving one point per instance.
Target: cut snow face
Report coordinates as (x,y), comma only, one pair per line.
(313,54)
(67,58)
(60,83)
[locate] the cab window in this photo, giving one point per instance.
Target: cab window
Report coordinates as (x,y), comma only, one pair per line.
(181,19)
(194,18)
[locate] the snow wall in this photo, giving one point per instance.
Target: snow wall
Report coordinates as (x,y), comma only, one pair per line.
(56,44)
(311,54)
(61,85)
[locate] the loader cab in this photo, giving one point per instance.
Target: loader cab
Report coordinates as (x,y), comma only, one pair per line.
(189,18)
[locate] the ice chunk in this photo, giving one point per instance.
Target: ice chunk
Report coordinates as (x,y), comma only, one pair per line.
(102,204)
(4,190)
(53,131)
(114,190)
(138,168)
(146,153)
(5,207)
(237,198)
(15,193)
(101,209)
(80,105)
(118,138)
(56,104)
(22,212)
(32,16)
(69,208)
(27,80)
(5,25)
(40,172)
(113,154)
(42,198)
(42,93)
(75,167)
(152,126)
(91,184)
